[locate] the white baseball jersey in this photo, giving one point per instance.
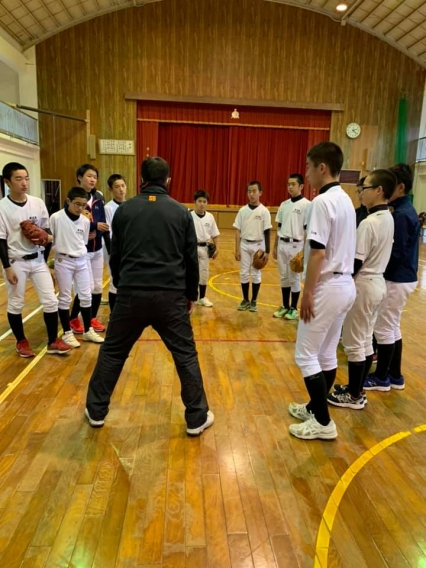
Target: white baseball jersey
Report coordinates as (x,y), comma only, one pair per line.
(253,222)
(293,217)
(11,215)
(70,237)
(110,209)
(205,227)
(332,222)
(374,239)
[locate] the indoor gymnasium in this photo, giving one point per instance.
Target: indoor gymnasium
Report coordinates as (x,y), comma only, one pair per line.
(171,397)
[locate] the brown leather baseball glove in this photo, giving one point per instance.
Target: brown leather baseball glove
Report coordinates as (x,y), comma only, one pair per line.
(33,233)
(87,214)
(296,263)
(259,259)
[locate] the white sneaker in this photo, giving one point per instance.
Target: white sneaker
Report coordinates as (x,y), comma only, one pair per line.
(69,338)
(93,423)
(205,302)
(92,336)
(299,411)
(200,429)
(311,430)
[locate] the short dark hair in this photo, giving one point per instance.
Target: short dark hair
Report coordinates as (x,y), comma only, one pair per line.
(361,181)
(386,179)
(77,192)
(10,168)
(113,178)
(404,174)
(85,168)
(300,179)
(259,185)
(155,170)
(201,193)
(327,153)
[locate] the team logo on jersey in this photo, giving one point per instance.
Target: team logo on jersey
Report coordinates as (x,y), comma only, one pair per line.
(298,211)
(33,218)
(152,198)
(80,231)
(59,259)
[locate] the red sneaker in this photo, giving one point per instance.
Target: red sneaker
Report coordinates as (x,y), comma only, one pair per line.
(24,349)
(97,326)
(58,347)
(76,326)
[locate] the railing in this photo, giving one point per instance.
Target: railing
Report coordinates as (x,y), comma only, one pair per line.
(18,124)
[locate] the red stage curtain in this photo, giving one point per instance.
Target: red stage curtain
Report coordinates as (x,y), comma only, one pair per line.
(267,155)
(221,114)
(198,158)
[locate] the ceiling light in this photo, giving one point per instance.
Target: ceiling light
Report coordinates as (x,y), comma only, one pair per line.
(342,7)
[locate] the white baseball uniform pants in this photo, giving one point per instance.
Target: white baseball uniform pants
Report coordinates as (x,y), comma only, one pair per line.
(203,265)
(112,288)
(388,324)
(359,323)
(67,270)
(38,272)
(317,340)
(247,251)
(285,252)
(96,262)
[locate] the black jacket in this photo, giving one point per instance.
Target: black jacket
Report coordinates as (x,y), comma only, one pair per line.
(404,260)
(154,244)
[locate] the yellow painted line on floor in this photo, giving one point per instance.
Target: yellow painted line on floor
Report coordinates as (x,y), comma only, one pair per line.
(12,386)
(326,526)
(214,287)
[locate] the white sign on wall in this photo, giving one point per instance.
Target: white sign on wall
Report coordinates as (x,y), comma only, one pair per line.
(123,147)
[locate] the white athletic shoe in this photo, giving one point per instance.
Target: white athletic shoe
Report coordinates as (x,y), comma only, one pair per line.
(93,423)
(92,336)
(312,430)
(69,338)
(200,429)
(299,411)
(205,302)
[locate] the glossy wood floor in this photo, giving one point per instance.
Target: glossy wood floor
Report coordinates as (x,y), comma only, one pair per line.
(245,494)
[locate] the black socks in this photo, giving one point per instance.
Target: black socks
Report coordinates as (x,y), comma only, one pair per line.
(384,358)
(286,297)
(317,388)
(294,299)
(255,291)
(86,314)
(75,310)
(395,365)
(203,289)
(16,325)
(51,321)
(245,288)
(64,316)
(96,302)
(356,372)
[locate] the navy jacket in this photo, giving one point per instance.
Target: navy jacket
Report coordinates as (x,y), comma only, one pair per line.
(97,211)
(404,260)
(154,245)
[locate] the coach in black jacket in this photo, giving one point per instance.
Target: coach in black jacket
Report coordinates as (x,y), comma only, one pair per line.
(154,265)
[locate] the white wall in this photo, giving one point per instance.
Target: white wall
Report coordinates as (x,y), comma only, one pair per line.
(19,85)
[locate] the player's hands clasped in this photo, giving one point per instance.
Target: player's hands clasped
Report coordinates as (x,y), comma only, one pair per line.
(307,307)
(11,276)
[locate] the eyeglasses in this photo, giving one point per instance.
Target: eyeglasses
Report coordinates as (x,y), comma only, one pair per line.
(363,188)
(78,205)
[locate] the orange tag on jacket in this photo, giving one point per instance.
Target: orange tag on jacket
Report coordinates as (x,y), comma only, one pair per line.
(152,198)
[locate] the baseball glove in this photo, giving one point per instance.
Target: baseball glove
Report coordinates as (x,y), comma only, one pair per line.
(259,259)
(211,249)
(296,263)
(33,233)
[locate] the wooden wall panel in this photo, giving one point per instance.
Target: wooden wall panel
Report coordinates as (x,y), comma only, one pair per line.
(248,49)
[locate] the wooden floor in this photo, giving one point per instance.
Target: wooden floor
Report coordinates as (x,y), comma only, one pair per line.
(245,494)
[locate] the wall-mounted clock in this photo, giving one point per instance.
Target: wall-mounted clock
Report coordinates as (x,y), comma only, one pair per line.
(353,130)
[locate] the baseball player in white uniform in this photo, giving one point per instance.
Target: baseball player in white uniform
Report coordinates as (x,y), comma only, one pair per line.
(23,259)
(206,229)
(329,290)
(289,241)
(118,188)
(70,230)
(253,224)
(373,250)
(401,281)
(87,177)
